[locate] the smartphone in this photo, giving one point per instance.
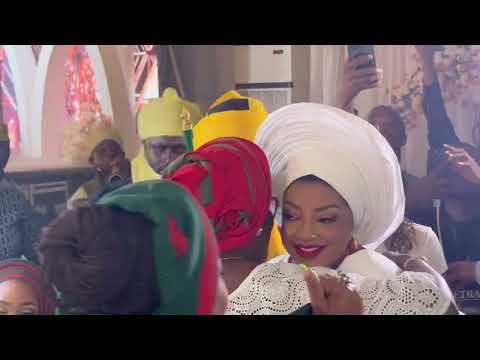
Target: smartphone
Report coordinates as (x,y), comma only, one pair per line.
(355,51)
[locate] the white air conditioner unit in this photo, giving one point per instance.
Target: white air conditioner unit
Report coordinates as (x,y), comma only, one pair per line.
(265,73)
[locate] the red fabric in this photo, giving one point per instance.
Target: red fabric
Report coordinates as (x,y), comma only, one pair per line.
(190,175)
(209,273)
(177,238)
(240,186)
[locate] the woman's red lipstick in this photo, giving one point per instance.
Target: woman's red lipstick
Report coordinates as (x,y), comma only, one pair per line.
(309,251)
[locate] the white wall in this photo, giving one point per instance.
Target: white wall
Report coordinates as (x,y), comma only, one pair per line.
(260,64)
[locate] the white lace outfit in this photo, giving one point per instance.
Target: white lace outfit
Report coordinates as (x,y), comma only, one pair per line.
(279,289)
(351,156)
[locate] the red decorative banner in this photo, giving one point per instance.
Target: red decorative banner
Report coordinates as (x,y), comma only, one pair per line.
(80,86)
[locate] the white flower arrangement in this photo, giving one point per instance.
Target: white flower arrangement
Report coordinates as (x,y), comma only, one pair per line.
(458,69)
(407,98)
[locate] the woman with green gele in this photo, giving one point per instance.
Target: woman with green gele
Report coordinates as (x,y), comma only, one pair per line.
(146,248)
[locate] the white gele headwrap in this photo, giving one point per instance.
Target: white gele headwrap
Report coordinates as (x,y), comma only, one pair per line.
(346,152)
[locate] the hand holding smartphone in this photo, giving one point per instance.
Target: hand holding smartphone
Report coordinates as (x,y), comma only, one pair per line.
(360,73)
(354,51)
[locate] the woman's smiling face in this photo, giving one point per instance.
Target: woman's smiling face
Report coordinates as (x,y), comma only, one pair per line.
(317,223)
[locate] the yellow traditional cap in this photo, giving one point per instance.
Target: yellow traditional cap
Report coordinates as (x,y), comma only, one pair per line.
(231,115)
(163,116)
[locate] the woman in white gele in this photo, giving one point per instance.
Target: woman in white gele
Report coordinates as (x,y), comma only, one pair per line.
(340,192)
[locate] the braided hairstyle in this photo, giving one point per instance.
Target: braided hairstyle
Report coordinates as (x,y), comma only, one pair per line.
(403,239)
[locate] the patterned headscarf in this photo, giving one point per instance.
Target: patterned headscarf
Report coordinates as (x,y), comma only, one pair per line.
(230,177)
(184,248)
(30,274)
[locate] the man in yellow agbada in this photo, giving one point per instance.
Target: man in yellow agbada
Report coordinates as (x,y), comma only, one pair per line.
(233,115)
(161,132)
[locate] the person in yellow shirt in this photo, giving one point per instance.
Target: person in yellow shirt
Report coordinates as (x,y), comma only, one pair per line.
(160,129)
(233,115)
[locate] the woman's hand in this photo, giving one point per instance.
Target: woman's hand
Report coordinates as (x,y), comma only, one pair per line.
(355,80)
(331,296)
(463,163)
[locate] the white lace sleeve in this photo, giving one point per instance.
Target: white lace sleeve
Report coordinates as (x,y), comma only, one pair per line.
(410,293)
(271,289)
(279,289)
